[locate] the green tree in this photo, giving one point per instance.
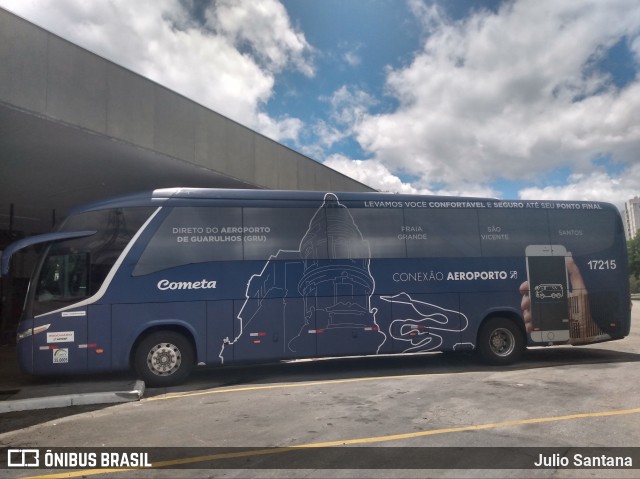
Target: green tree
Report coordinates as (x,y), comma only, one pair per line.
(633,247)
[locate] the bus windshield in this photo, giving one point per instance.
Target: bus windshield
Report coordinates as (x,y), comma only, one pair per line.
(75,269)
(64,278)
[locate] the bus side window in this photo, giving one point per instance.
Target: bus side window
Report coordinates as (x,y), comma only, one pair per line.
(441,233)
(266,231)
(508,232)
(374,233)
(583,232)
(195,234)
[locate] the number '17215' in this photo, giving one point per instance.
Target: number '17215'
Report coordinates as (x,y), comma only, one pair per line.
(602,264)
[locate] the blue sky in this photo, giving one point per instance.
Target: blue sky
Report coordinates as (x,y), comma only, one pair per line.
(354,43)
(519,99)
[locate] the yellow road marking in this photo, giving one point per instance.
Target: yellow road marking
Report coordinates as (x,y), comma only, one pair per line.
(365,440)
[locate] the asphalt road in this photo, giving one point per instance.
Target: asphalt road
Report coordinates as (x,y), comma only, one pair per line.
(387,412)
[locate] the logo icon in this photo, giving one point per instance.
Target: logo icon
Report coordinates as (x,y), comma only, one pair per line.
(554,291)
(23,458)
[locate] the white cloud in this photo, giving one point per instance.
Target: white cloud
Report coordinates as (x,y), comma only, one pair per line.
(328,135)
(350,105)
(369,172)
(352,58)
(378,176)
(228,64)
(280,128)
(266,28)
(509,96)
(597,185)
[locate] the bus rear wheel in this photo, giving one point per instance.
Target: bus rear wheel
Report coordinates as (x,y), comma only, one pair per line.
(500,342)
(164,358)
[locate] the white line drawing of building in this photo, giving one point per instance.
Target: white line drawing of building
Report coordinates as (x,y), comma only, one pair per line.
(339,290)
(325,289)
(336,294)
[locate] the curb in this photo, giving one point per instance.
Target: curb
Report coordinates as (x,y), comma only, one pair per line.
(67,400)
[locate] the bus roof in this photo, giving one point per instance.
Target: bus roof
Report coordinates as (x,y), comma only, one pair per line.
(186,196)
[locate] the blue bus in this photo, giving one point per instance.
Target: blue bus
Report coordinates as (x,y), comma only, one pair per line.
(167,280)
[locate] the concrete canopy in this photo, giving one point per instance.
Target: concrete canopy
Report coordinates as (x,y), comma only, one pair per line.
(75,127)
(48,167)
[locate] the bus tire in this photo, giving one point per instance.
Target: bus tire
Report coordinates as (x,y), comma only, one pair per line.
(164,358)
(500,342)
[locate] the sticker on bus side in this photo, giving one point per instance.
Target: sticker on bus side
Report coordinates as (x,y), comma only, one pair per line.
(60,355)
(61,337)
(73,314)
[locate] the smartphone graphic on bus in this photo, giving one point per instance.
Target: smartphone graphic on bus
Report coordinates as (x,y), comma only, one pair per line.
(548,292)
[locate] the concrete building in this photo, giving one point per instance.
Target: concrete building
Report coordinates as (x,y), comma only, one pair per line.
(75,127)
(632,217)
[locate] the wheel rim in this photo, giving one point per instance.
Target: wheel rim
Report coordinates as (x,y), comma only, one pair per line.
(164,359)
(502,342)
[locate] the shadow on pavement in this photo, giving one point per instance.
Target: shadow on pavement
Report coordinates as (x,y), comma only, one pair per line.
(14,384)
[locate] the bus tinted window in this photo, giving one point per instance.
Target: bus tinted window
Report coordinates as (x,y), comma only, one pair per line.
(370,233)
(193,235)
(441,233)
(269,230)
(583,232)
(313,245)
(509,232)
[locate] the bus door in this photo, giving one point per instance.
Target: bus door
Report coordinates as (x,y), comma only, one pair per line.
(61,343)
(99,343)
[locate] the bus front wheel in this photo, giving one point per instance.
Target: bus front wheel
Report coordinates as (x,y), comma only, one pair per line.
(500,341)
(164,358)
